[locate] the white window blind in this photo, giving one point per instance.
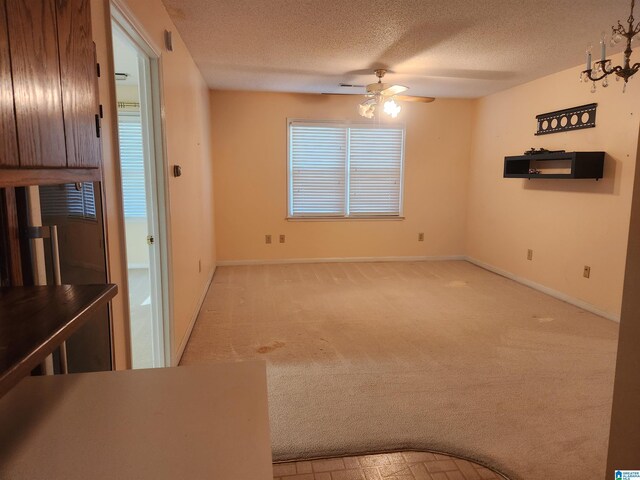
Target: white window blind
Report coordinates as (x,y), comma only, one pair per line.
(341,170)
(318,156)
(66,200)
(132,164)
(375,171)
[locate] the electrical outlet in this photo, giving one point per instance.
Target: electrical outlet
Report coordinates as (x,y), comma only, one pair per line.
(421,237)
(282,238)
(529,254)
(267,239)
(586,273)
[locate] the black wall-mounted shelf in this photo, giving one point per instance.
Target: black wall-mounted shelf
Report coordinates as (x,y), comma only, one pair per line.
(556,165)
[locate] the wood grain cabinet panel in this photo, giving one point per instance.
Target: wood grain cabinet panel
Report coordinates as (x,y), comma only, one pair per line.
(36,82)
(79,83)
(8,141)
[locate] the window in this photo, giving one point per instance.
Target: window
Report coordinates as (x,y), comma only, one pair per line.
(68,200)
(132,164)
(344,170)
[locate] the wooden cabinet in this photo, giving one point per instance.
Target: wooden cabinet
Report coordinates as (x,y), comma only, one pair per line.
(49,118)
(37,95)
(8,141)
(36,320)
(79,82)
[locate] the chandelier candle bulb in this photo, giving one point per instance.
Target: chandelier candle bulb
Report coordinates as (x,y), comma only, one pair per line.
(603,47)
(588,58)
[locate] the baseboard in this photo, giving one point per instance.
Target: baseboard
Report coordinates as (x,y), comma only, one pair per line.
(544,289)
(287,261)
(194,317)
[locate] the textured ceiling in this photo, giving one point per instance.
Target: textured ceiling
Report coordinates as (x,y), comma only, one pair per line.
(446,48)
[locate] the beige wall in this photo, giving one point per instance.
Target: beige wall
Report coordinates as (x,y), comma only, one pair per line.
(624,439)
(249,148)
(186,117)
(186,128)
(127,93)
(567,223)
(137,248)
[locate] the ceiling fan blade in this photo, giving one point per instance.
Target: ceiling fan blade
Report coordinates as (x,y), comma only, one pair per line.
(343,94)
(410,98)
(385,89)
(394,90)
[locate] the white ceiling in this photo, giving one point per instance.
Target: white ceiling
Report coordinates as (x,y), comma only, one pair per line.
(445,48)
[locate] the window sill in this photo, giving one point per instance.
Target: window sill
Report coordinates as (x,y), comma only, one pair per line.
(344,219)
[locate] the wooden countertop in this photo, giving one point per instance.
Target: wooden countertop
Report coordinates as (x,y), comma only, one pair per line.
(35,320)
(196,422)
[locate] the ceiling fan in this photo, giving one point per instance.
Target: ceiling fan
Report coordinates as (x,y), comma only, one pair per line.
(384,95)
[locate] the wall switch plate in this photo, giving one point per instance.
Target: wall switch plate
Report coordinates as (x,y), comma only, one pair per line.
(282,238)
(267,239)
(421,237)
(586,273)
(529,254)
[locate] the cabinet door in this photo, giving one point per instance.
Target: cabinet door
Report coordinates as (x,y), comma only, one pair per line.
(36,82)
(8,141)
(79,83)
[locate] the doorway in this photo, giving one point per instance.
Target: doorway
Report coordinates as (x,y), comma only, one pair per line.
(142,181)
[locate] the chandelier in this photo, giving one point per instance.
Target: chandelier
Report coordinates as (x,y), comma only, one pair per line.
(602,68)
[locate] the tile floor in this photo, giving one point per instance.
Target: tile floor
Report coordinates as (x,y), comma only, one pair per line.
(386,466)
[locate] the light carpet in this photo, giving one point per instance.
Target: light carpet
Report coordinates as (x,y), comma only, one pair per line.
(446,356)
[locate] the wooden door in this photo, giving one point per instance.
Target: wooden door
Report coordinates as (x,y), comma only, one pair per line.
(79,83)
(36,82)
(8,141)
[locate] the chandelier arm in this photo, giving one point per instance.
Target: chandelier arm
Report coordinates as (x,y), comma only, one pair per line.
(619,29)
(605,71)
(592,78)
(610,70)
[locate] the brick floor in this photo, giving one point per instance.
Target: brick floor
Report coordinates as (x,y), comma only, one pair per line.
(385,466)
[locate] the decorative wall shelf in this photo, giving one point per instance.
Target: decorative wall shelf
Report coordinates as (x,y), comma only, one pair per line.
(35,320)
(569,165)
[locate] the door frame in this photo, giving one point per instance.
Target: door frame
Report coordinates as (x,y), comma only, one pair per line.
(127,24)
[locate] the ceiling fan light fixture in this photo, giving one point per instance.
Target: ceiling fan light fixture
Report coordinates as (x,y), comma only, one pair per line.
(391,108)
(367,109)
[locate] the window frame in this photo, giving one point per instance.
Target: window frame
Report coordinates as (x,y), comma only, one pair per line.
(347,217)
